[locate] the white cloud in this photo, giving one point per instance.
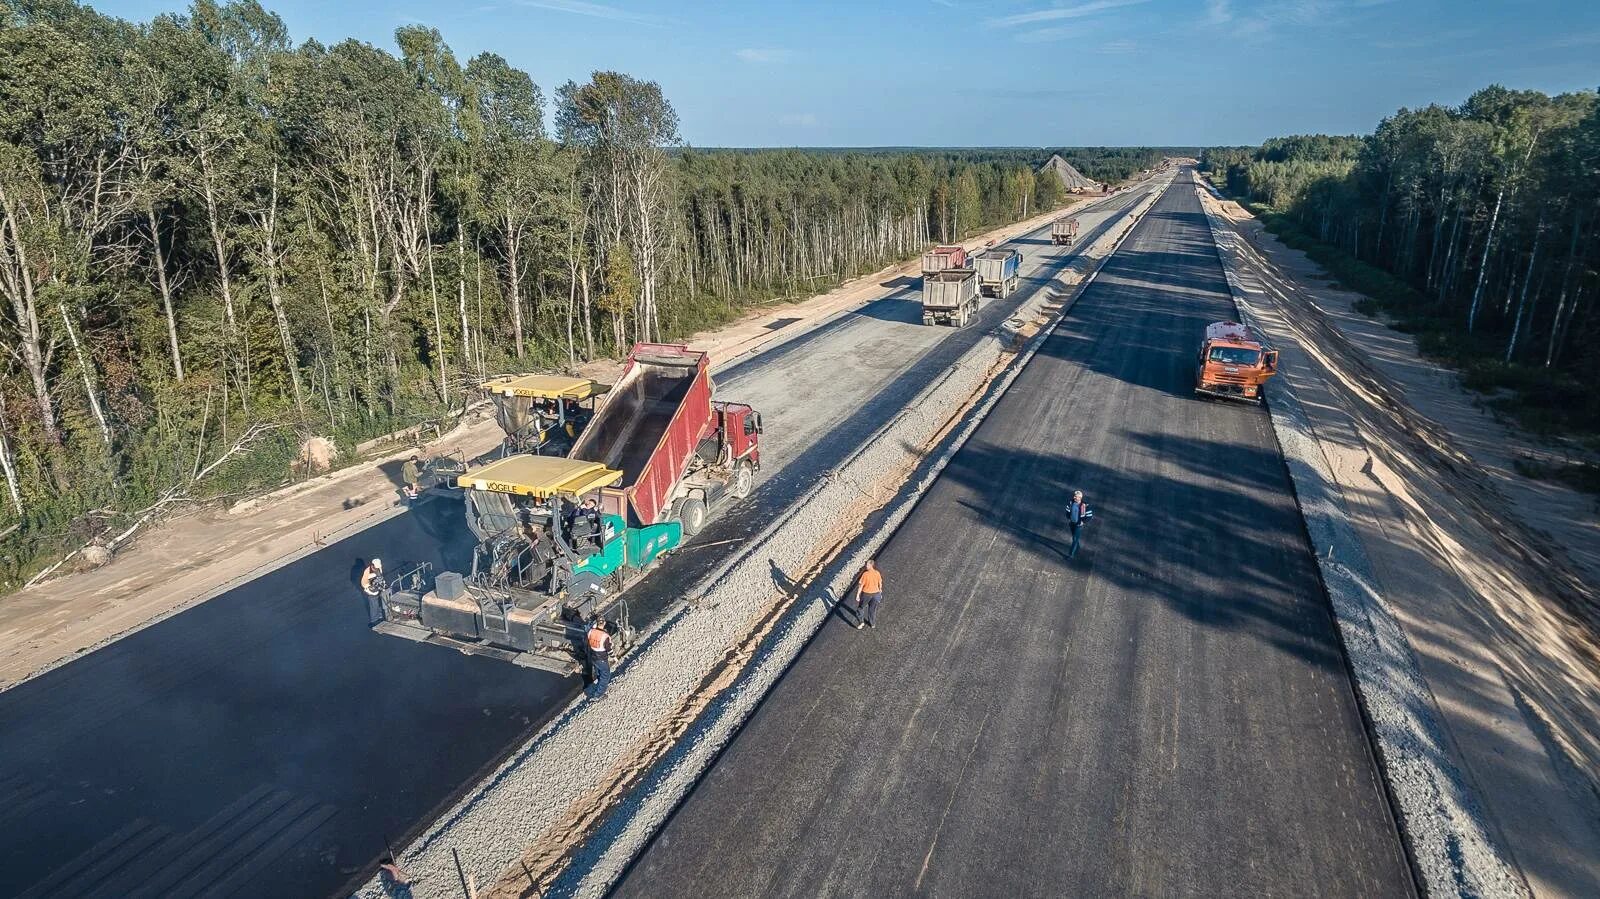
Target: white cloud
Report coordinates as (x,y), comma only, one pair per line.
(1219,12)
(763,54)
(1118,47)
(1057,13)
(798,120)
(594,11)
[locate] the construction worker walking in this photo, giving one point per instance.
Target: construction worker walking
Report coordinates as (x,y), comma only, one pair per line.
(1078,515)
(411,476)
(869,592)
(598,641)
(372,585)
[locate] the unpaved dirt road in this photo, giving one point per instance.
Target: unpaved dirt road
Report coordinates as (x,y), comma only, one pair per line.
(267,742)
(1168,713)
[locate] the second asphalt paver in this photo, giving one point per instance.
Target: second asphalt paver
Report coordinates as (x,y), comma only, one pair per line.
(1168,713)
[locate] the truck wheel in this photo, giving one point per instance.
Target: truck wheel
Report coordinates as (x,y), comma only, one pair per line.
(692,514)
(744,480)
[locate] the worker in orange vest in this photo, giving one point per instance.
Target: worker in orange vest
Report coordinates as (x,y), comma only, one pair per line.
(598,641)
(869,592)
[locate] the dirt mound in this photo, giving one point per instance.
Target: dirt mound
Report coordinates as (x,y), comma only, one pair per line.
(316,455)
(1071,178)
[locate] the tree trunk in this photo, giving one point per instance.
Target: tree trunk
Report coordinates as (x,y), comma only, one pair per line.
(224,268)
(1483,265)
(438,329)
(1566,283)
(1522,303)
(333,343)
(16,281)
(7,459)
(588,313)
(166,290)
(291,357)
(86,372)
(461,296)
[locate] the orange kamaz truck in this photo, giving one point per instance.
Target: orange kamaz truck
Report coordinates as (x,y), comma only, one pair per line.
(1235,362)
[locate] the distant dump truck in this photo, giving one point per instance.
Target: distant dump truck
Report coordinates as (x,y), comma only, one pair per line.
(949,297)
(999,272)
(940,258)
(1235,362)
(1063,231)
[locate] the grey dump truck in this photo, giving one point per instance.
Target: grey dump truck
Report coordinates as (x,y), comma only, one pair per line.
(949,297)
(999,272)
(1063,231)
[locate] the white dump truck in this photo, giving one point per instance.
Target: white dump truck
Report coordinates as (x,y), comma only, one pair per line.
(949,297)
(999,272)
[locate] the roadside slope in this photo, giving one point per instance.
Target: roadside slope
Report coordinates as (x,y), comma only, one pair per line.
(1494,612)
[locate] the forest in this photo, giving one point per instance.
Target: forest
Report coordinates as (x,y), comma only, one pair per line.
(1474,227)
(215,242)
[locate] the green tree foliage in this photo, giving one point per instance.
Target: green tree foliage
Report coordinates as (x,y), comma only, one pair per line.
(214,241)
(1487,212)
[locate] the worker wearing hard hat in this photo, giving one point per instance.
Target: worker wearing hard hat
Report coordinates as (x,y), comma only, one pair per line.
(372,586)
(372,578)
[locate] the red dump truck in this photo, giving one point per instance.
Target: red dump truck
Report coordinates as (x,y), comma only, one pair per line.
(1235,362)
(681,453)
(939,259)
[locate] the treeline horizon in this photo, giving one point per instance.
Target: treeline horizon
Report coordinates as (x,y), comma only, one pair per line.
(1486,216)
(215,241)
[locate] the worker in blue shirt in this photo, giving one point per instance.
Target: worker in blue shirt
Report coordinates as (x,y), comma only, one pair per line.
(1078,515)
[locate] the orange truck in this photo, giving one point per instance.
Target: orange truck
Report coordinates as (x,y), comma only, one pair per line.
(1235,362)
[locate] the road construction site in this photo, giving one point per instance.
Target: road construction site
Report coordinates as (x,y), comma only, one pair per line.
(1241,685)
(265,742)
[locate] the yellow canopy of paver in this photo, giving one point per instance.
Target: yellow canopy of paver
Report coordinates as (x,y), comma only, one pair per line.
(540,477)
(551,387)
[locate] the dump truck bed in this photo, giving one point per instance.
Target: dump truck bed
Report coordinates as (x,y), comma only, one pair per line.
(995,266)
(649,423)
(949,289)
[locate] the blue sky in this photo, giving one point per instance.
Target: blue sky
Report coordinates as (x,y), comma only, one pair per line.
(1004,72)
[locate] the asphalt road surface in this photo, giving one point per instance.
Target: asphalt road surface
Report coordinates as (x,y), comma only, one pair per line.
(1169,713)
(267,743)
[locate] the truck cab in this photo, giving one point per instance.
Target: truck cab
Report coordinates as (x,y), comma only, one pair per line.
(1235,362)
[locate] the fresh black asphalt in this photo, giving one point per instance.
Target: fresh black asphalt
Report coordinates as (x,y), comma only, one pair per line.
(264,743)
(1167,714)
